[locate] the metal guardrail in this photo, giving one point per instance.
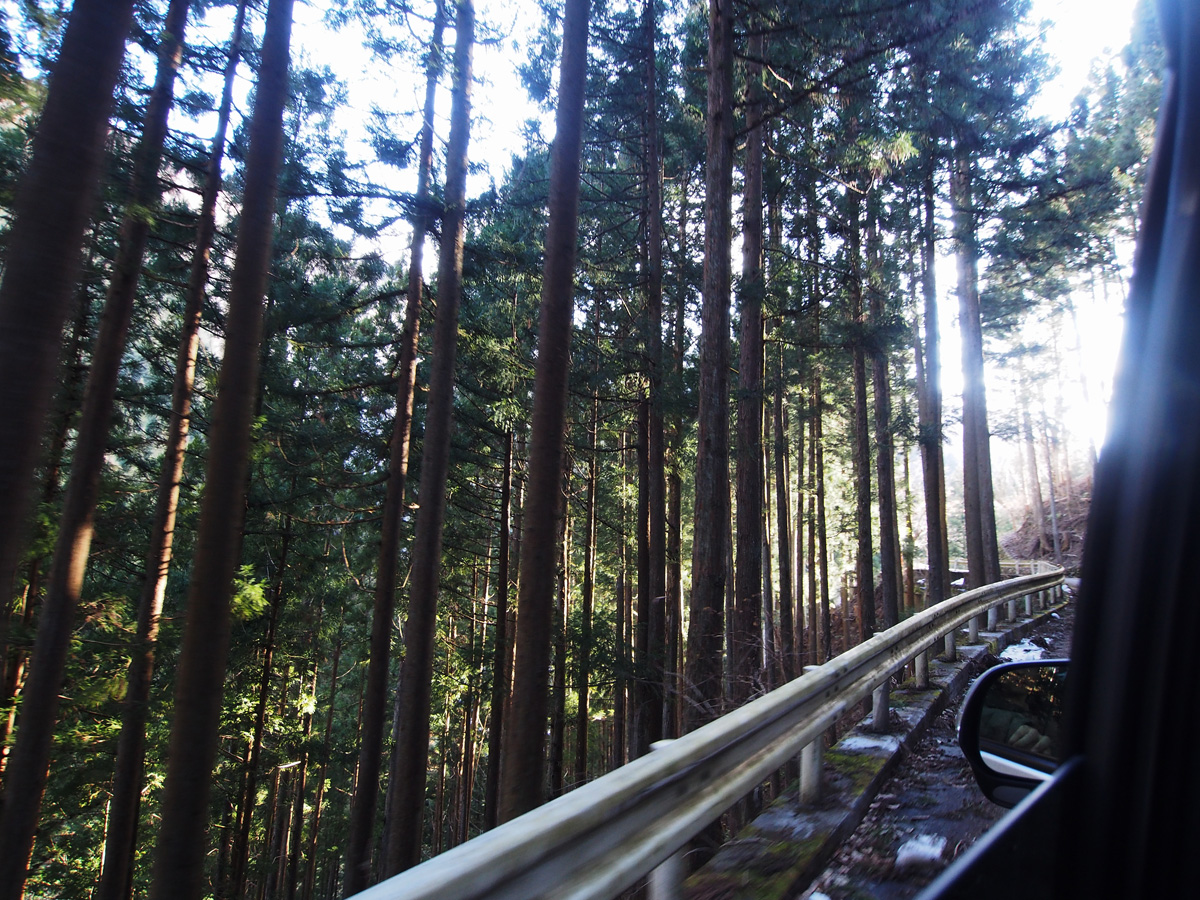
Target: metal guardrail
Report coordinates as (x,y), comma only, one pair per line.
(605,836)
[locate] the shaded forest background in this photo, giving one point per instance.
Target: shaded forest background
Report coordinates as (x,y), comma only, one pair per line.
(756,468)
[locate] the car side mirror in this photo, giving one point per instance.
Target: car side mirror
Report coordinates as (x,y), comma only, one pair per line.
(1010,725)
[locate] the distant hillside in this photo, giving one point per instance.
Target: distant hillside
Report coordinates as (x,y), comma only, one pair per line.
(1031,542)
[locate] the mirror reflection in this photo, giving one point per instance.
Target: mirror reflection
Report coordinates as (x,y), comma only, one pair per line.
(1021,715)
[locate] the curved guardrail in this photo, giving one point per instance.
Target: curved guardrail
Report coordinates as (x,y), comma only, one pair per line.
(606,835)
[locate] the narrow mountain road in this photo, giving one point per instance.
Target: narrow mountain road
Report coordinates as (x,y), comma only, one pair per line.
(929,811)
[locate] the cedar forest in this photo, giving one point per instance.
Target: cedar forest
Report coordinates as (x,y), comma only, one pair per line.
(319,559)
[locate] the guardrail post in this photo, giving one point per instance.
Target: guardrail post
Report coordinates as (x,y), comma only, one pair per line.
(1029,605)
(993,618)
(667,877)
(1012,609)
(811,765)
(973,630)
(951,647)
(880,714)
(921,670)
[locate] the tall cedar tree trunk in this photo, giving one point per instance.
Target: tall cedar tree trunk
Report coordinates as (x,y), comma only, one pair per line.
(820,544)
(929,413)
(416,672)
(710,544)
(1058,560)
(910,584)
(818,439)
(1037,507)
(375,700)
(467,769)
(296,838)
(885,467)
(558,691)
(791,612)
(769,636)
(120,841)
(620,700)
(521,774)
(656,548)
(278,808)
(813,657)
(983,552)
(179,863)
(672,711)
(583,661)
(500,669)
(400,443)
(31,755)
(41,267)
(644,684)
(862,439)
(745,638)
(625,699)
(310,869)
(1062,436)
(240,852)
(29,599)
(443,744)
(783,518)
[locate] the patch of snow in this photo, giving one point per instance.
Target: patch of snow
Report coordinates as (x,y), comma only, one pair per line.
(817,895)
(858,742)
(923,850)
(1026,649)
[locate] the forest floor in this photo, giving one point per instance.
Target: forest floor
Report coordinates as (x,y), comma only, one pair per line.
(930,809)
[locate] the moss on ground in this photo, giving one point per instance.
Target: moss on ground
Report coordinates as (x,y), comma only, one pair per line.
(772,875)
(860,768)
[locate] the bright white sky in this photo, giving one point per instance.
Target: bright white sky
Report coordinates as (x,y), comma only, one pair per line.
(1080,32)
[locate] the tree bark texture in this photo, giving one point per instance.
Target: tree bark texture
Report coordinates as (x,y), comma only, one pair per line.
(929,413)
(387,561)
(745,638)
(710,544)
(500,667)
(885,449)
(644,721)
(983,553)
(30,760)
(240,851)
(119,846)
(672,709)
(583,654)
(416,671)
(41,267)
(783,519)
(862,436)
(656,537)
(521,776)
(179,862)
